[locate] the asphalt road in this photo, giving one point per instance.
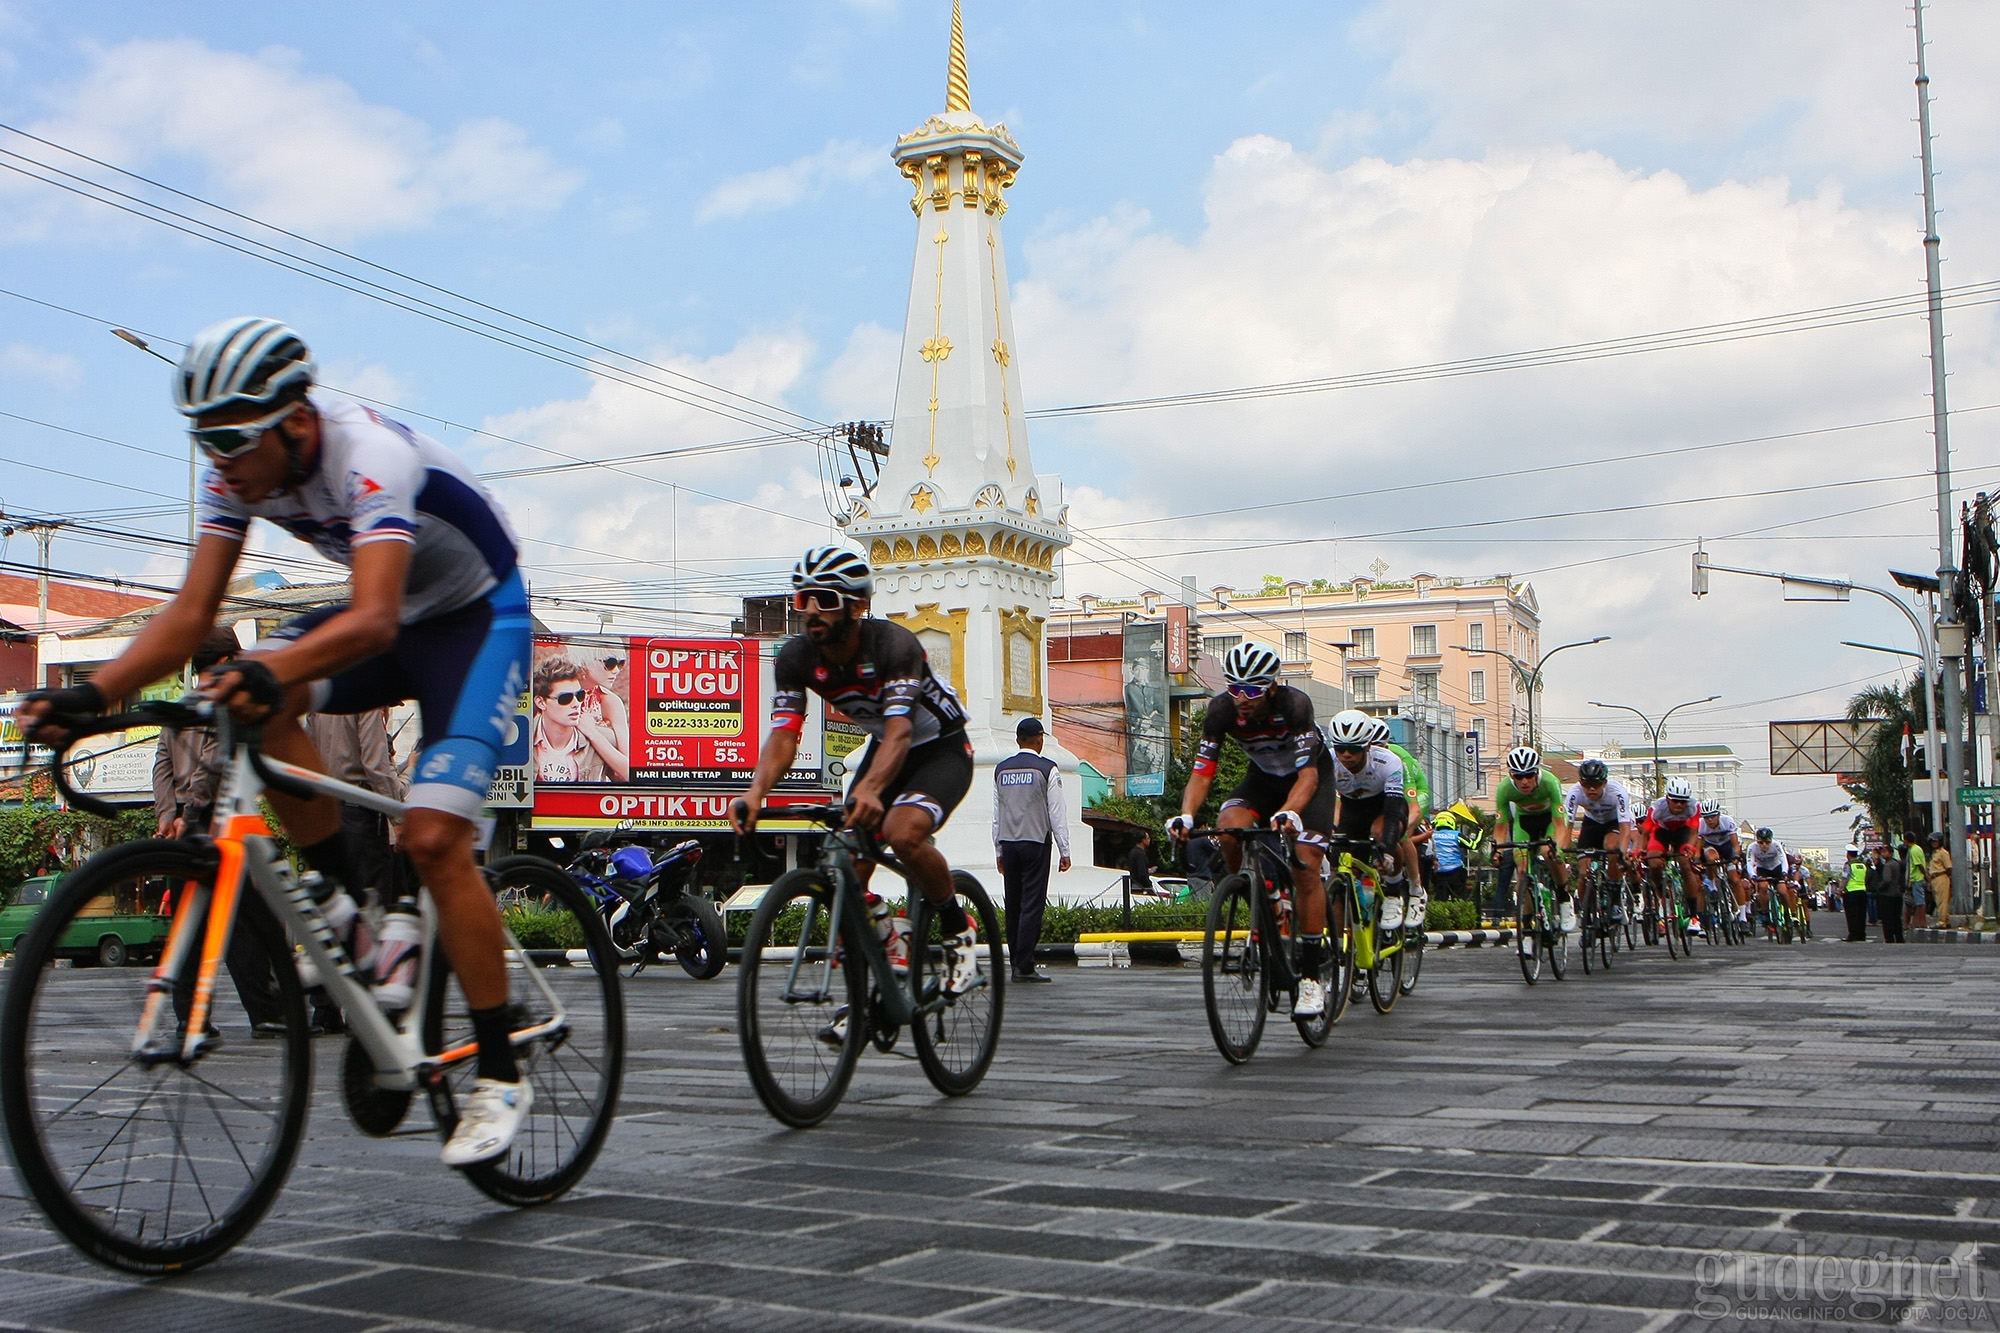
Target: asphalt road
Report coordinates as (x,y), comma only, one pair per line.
(1766,1135)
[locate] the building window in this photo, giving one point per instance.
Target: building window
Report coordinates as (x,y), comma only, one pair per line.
(1475,635)
(1362,688)
(1364,642)
(1295,646)
(1423,640)
(1478,685)
(1218,645)
(1424,686)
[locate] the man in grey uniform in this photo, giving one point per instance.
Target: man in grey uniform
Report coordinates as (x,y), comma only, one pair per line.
(1027,813)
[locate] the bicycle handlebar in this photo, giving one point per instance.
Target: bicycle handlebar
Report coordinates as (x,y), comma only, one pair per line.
(170,714)
(1531,844)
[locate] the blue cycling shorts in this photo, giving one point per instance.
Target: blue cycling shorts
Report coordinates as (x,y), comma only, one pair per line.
(466,669)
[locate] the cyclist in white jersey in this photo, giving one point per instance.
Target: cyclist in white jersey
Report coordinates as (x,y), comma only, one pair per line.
(1767,860)
(1720,846)
(1600,815)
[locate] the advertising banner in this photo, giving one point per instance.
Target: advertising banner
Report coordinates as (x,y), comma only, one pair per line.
(662,732)
(1145,670)
(1177,640)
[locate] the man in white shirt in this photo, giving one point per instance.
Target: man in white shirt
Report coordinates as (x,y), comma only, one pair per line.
(1027,814)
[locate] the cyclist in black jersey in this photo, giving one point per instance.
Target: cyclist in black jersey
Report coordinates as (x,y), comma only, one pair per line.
(919,764)
(1289,785)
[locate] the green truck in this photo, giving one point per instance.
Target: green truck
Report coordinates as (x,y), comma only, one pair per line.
(107,933)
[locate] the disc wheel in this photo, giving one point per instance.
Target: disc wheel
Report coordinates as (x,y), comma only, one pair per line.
(800,1075)
(704,948)
(152,1167)
(957,1037)
(1232,971)
(565,962)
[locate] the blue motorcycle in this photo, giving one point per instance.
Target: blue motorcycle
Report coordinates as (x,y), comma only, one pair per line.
(652,908)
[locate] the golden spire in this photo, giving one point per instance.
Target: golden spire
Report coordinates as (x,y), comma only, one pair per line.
(957,91)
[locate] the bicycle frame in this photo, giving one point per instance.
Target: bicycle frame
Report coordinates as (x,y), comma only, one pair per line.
(246,849)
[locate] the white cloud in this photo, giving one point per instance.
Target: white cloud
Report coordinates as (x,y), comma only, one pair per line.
(781,187)
(860,383)
(25,365)
(295,148)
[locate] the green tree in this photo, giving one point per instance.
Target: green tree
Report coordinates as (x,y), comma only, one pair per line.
(37,839)
(1883,785)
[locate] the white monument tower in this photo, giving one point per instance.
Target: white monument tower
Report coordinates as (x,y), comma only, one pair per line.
(962,533)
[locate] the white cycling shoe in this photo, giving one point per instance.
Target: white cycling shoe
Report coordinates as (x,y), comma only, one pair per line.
(1312,999)
(1566,917)
(488,1121)
(1392,912)
(962,951)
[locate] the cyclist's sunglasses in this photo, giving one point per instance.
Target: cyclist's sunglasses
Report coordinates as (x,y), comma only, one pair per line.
(227,442)
(1350,749)
(817,599)
(564,698)
(1249,691)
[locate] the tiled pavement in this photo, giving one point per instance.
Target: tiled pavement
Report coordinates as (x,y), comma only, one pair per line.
(1762,1135)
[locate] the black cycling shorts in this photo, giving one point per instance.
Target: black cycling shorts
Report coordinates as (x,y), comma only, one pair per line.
(1359,813)
(1263,794)
(935,776)
(1591,834)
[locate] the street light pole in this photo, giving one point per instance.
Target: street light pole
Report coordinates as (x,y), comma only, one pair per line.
(1531,676)
(1655,731)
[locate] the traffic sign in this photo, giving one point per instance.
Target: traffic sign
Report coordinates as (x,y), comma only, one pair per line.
(1979,795)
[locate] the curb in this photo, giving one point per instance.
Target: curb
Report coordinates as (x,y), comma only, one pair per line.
(1935,935)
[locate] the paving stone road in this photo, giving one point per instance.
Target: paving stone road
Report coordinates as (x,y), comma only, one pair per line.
(1765,1136)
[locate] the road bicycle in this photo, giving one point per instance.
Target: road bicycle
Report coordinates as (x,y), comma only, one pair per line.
(815,980)
(1391,960)
(154,1128)
(1672,908)
(1601,909)
(1539,933)
(1250,964)
(1718,910)
(1778,919)
(649,919)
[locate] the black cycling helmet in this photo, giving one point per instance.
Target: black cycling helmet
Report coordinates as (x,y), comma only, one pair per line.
(1593,771)
(1763,835)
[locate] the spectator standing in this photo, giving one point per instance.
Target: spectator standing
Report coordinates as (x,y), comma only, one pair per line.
(1855,901)
(1937,875)
(1913,880)
(1448,855)
(1027,814)
(1139,864)
(1888,881)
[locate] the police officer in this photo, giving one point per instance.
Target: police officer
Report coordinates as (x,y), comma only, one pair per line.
(1027,813)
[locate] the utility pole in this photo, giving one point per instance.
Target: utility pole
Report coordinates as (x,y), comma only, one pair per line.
(1951,635)
(1982,566)
(44,530)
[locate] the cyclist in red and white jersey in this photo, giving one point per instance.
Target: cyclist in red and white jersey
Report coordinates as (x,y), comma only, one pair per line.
(1673,827)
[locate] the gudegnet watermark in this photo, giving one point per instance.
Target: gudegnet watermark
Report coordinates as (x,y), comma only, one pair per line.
(1879,1287)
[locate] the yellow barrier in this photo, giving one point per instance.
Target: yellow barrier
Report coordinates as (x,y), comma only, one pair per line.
(1144,936)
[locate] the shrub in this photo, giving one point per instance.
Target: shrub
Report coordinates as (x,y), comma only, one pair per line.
(1452,914)
(537,927)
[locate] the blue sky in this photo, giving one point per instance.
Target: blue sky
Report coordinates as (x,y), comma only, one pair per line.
(1213,196)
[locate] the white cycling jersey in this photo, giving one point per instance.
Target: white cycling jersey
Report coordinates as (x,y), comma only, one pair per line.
(377,480)
(1766,856)
(1613,805)
(1382,773)
(1719,836)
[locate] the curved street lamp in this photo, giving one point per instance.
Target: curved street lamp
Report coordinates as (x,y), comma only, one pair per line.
(1655,730)
(1531,676)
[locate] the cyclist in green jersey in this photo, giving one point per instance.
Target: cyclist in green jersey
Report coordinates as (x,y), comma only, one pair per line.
(1528,804)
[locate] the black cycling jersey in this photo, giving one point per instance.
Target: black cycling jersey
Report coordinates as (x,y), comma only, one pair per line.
(1281,744)
(888,676)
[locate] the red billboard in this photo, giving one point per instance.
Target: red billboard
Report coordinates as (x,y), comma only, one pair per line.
(697,719)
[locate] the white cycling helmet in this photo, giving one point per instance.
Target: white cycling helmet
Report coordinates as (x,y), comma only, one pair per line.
(1710,809)
(1524,761)
(1679,790)
(242,360)
(1350,726)
(838,569)
(1378,733)
(1251,663)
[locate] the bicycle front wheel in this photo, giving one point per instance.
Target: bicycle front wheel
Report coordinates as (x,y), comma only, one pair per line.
(152,1166)
(564,964)
(956,1039)
(1586,904)
(1232,971)
(1528,936)
(1414,967)
(801,1014)
(1385,980)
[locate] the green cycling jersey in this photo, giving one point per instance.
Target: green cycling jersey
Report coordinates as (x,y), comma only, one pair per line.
(1413,777)
(1510,803)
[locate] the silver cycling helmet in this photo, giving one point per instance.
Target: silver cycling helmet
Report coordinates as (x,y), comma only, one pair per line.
(1350,726)
(242,360)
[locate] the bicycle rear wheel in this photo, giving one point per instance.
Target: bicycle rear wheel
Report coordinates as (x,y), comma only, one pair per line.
(801,1042)
(1413,949)
(1385,981)
(1232,971)
(955,1043)
(151,1167)
(576,1071)
(1556,944)
(1586,903)
(1314,1031)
